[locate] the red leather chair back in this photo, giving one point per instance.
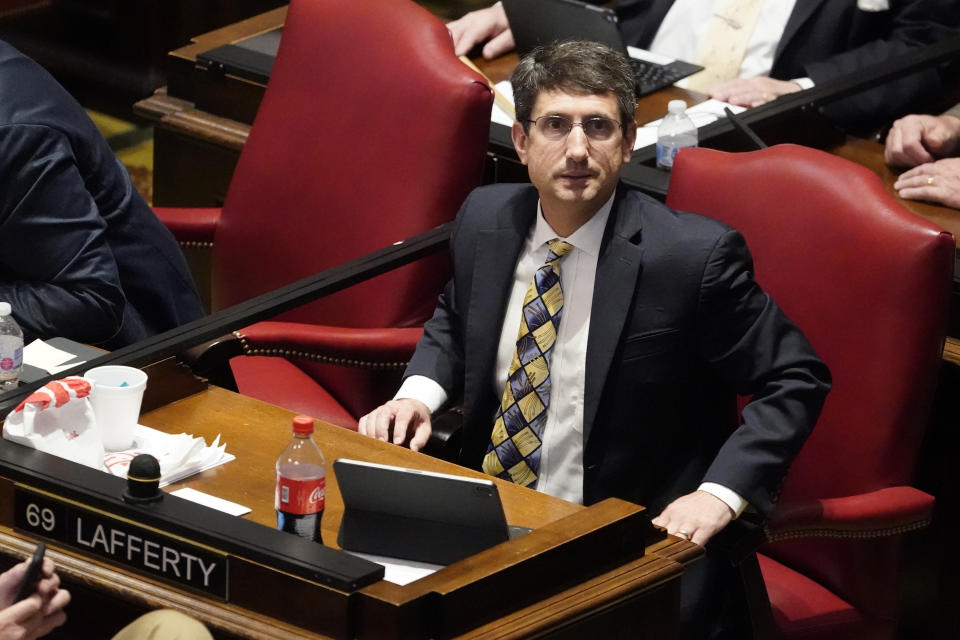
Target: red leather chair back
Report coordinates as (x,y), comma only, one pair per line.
(371,131)
(868,282)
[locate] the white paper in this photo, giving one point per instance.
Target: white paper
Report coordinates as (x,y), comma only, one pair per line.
(498,115)
(702,114)
(873,5)
(43,356)
(399,571)
(649,56)
(213,502)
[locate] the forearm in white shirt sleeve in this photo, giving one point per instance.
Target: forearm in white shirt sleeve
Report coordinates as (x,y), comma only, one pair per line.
(805,83)
(424,389)
(730,497)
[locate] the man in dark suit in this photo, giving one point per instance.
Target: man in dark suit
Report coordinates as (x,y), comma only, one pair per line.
(818,40)
(630,391)
(82,255)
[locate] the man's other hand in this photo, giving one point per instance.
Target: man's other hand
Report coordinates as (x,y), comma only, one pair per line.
(401,421)
(937,182)
(751,92)
(696,517)
(36,615)
(485,24)
(918,139)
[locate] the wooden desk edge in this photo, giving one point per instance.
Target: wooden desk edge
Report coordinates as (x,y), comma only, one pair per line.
(180,116)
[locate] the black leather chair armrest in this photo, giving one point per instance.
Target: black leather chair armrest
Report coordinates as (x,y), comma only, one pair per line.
(211,360)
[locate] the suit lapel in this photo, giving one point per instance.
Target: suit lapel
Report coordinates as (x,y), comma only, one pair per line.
(618,267)
(802,11)
(495,258)
(652,13)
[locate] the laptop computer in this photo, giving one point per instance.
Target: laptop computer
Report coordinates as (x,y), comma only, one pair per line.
(418,515)
(539,22)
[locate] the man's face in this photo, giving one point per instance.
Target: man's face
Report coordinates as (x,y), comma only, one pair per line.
(575,174)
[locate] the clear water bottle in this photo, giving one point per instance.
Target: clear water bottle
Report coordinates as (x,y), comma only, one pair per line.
(675,132)
(301,483)
(11,348)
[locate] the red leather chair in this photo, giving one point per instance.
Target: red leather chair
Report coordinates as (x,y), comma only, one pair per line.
(868,282)
(371,131)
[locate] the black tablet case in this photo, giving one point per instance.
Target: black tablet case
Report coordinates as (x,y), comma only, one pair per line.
(416,515)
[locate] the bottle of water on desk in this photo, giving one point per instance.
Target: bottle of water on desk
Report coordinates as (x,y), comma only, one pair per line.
(675,132)
(11,349)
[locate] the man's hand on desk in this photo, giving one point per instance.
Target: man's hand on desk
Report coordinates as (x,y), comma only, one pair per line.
(477,26)
(696,516)
(400,421)
(752,92)
(918,139)
(934,182)
(36,615)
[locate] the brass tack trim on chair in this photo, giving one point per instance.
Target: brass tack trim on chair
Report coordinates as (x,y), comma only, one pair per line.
(196,244)
(842,534)
(316,357)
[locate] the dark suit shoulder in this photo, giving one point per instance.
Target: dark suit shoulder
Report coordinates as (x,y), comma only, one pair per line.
(665,226)
(497,206)
(496,197)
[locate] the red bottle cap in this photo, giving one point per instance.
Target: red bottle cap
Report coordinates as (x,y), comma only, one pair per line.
(303,424)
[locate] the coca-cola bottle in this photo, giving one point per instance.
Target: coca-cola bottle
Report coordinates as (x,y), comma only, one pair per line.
(301,483)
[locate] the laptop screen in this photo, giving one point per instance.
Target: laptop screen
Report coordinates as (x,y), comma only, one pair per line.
(541,22)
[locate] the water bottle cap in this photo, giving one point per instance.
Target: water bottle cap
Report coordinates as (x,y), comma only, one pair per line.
(4,308)
(303,424)
(676,106)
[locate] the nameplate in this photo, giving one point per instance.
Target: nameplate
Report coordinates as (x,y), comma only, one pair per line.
(121,541)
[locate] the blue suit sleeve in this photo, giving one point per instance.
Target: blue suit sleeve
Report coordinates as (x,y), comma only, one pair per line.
(763,355)
(56,268)
(440,352)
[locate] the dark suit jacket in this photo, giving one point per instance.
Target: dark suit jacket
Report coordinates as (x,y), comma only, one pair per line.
(81,254)
(825,39)
(677,325)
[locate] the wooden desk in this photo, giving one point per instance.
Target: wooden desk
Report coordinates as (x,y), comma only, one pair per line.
(566,559)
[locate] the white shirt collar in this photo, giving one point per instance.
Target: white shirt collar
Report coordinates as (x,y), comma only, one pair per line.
(587,238)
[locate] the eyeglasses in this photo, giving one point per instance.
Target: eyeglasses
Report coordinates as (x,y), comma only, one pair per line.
(556,128)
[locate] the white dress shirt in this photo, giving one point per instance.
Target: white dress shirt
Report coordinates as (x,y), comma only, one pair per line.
(685,25)
(561,453)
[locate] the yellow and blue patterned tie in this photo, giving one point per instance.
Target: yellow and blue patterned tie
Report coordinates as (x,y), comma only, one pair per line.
(514,449)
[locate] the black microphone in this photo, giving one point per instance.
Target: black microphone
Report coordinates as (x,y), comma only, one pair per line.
(143,480)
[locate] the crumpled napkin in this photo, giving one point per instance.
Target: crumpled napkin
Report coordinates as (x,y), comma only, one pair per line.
(180,455)
(58,419)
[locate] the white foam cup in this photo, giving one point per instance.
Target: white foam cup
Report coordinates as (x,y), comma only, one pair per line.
(115,395)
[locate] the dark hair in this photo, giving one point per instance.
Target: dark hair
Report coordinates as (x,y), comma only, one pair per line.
(577,67)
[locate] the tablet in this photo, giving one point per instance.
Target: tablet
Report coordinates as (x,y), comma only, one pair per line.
(417,515)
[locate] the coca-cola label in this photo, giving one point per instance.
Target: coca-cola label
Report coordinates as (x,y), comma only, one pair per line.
(300,496)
